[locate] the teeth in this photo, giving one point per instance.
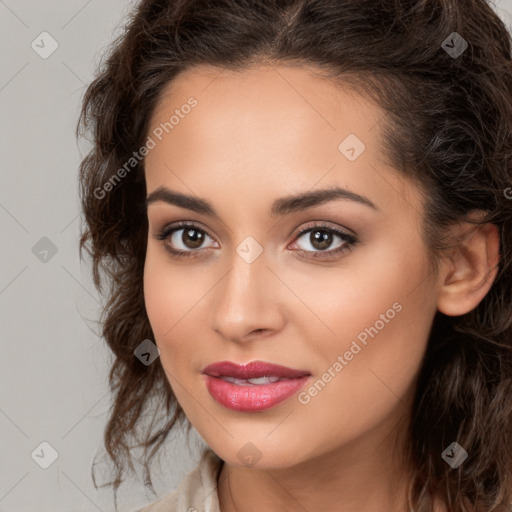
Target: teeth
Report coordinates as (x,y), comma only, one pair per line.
(263,380)
(256,382)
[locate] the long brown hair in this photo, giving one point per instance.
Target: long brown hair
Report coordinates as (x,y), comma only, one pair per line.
(448,127)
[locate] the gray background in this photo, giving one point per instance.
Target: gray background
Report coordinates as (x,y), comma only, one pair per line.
(53,366)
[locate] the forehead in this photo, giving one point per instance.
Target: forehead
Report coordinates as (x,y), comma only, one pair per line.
(268,124)
(280,94)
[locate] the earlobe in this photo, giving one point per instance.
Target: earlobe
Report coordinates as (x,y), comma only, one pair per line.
(469,272)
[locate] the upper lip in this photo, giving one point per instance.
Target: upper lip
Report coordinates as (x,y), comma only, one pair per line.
(252,370)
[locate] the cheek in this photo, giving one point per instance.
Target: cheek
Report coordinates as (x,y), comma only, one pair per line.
(352,396)
(352,297)
(169,295)
(367,374)
(377,312)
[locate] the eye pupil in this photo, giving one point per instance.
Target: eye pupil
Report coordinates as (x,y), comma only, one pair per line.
(196,240)
(321,239)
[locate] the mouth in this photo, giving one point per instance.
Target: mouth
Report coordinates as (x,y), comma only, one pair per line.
(252,382)
(253,371)
(252,387)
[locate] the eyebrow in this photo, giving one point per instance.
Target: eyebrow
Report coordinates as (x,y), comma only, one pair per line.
(280,207)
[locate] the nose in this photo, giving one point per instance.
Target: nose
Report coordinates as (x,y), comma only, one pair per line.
(248,302)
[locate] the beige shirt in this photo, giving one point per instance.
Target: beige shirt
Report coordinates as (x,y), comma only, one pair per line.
(197,492)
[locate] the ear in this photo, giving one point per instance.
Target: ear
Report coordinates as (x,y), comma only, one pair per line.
(469,271)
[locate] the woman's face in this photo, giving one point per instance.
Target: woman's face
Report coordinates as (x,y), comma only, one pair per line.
(349,301)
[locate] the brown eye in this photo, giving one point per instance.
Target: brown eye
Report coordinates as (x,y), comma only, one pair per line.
(184,239)
(192,237)
(320,239)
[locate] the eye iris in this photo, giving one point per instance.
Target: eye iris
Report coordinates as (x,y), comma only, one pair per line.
(321,239)
(192,241)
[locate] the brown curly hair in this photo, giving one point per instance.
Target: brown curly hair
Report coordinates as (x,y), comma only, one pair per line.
(448,128)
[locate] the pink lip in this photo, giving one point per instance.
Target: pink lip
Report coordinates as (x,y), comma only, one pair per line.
(251,370)
(252,397)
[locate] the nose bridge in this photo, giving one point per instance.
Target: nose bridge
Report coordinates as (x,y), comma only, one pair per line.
(245,299)
(243,284)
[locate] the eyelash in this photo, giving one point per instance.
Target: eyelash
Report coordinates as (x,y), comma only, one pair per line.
(350,240)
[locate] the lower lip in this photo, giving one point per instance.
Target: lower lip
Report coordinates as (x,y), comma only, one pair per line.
(252,398)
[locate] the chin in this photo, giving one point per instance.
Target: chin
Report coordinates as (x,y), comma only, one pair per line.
(260,455)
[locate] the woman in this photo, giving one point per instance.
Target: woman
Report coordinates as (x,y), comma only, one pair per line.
(303,209)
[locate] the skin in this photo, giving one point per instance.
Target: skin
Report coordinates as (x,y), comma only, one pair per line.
(240,149)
